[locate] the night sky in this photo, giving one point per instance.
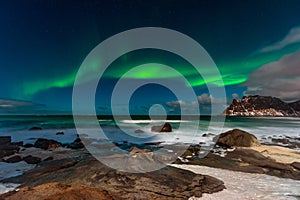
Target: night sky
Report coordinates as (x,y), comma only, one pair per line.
(255,44)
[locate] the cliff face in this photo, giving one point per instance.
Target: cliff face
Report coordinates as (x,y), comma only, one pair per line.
(262,106)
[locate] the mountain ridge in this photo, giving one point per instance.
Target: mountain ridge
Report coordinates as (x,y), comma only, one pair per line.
(262,106)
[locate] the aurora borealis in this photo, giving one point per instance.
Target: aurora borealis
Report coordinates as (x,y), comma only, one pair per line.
(43,44)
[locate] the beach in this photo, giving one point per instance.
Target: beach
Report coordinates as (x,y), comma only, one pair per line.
(267,171)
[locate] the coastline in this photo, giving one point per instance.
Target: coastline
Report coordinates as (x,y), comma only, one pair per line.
(276,159)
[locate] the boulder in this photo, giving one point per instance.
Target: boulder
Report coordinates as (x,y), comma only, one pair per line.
(138,131)
(32,159)
(60,133)
(13,159)
(5,140)
(35,128)
(237,137)
(8,150)
(76,144)
(28,145)
(47,144)
(166,127)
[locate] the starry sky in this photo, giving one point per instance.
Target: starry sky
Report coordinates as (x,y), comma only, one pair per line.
(255,45)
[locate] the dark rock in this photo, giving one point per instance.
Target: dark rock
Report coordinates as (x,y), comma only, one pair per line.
(35,128)
(166,183)
(48,158)
(8,150)
(76,144)
(163,128)
(237,137)
(248,160)
(60,133)
(208,135)
(5,140)
(17,143)
(296,165)
(32,159)
(47,144)
(138,131)
(28,145)
(13,159)
(280,140)
(55,191)
(191,152)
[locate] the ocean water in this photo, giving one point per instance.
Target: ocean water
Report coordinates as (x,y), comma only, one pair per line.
(187,131)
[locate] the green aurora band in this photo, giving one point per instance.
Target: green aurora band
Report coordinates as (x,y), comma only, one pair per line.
(232,73)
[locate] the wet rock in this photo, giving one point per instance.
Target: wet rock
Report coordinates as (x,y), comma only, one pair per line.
(163,128)
(281,140)
(28,145)
(208,135)
(5,140)
(17,143)
(13,159)
(237,137)
(35,128)
(60,133)
(47,144)
(48,158)
(76,144)
(8,150)
(32,159)
(138,131)
(55,191)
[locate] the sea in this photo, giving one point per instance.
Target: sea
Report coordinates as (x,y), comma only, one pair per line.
(137,129)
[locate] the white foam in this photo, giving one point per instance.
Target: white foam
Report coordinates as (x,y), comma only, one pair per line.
(241,185)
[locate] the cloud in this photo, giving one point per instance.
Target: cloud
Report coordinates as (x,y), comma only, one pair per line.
(8,106)
(204,103)
(280,79)
(292,37)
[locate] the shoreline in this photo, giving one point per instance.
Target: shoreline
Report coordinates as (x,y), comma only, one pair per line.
(258,161)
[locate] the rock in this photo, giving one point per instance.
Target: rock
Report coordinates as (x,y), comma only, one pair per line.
(17,143)
(296,165)
(191,152)
(48,158)
(8,150)
(237,137)
(280,140)
(135,150)
(55,191)
(35,128)
(28,145)
(13,159)
(32,159)
(248,160)
(76,144)
(163,128)
(47,144)
(5,140)
(166,183)
(60,133)
(208,135)
(138,131)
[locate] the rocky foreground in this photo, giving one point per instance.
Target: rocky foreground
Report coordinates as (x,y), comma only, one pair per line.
(65,173)
(70,172)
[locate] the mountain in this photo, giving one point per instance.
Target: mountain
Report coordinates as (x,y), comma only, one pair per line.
(262,106)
